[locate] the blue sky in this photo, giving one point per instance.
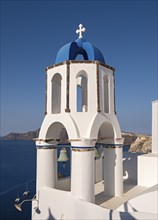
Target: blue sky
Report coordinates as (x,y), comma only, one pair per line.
(32,32)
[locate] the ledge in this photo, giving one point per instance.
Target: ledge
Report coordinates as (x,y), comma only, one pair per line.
(80,61)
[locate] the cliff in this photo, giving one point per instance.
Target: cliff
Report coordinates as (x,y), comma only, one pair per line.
(142,144)
(137,142)
(21,136)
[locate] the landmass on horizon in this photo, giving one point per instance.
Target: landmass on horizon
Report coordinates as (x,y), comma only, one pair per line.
(138,142)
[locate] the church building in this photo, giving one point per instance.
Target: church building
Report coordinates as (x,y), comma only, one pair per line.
(80,102)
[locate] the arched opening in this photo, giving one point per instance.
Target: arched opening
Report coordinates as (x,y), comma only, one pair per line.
(56,93)
(82,96)
(79,57)
(106,94)
(79,54)
(105,135)
(106,131)
(58,132)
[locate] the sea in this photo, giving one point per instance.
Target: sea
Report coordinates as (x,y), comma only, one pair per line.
(18,174)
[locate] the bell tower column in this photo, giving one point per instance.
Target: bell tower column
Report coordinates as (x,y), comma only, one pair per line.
(113,170)
(82,171)
(46,167)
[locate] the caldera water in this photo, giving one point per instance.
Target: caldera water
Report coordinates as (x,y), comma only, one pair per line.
(17,175)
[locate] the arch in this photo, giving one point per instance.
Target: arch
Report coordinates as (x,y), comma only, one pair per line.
(66,121)
(56,93)
(106,93)
(109,128)
(82,73)
(57,131)
(80,52)
(80,57)
(82,91)
(106,131)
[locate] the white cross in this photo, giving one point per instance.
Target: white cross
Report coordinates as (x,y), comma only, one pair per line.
(80,30)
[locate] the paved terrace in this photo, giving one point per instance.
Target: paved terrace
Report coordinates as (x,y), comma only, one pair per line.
(130,191)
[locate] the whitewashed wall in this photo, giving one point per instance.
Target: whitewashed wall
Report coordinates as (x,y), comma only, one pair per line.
(56,204)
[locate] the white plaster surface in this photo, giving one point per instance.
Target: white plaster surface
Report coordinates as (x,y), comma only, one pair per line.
(146,202)
(56,204)
(83,127)
(46,168)
(147,169)
(82,175)
(113,171)
(80,124)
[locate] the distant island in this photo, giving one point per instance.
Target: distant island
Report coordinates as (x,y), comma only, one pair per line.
(21,136)
(137,142)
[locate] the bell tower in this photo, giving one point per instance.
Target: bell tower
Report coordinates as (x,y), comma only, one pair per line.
(80,99)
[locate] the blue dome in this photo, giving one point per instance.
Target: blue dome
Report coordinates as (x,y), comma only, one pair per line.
(80,46)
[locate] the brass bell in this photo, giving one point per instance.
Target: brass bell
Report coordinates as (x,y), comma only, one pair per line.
(96,153)
(63,156)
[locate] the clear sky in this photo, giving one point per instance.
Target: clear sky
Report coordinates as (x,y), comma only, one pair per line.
(32,32)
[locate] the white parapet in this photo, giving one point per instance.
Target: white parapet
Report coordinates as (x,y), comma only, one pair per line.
(82,174)
(147,170)
(155,127)
(148,163)
(113,171)
(46,167)
(57,204)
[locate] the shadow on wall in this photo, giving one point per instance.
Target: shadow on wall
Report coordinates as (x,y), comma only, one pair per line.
(126,207)
(123,216)
(126,214)
(50,217)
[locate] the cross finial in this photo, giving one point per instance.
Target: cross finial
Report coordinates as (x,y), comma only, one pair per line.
(80,30)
